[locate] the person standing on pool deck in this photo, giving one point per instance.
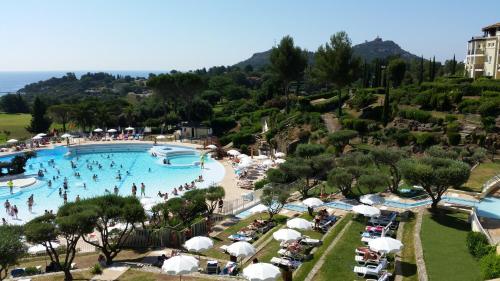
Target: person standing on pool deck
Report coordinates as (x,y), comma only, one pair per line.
(143,189)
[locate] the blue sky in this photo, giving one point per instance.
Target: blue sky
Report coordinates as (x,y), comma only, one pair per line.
(189,34)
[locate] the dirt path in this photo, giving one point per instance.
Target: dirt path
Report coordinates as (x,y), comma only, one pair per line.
(331,122)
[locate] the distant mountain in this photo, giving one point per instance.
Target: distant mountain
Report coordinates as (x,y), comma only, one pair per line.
(368,50)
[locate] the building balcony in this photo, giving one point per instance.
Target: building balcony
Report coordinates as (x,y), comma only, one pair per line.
(476,53)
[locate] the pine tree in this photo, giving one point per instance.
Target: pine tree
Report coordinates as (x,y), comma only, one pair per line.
(421,71)
(39,123)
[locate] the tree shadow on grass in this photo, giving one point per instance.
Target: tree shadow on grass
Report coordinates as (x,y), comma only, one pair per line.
(408,269)
(449,219)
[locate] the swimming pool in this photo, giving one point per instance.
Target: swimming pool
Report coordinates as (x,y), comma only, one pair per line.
(135,166)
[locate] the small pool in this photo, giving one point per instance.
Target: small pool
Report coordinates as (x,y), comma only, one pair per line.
(489,207)
(295,208)
(339,205)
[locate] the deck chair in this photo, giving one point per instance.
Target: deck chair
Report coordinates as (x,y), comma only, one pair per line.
(384,277)
(362,261)
(287,262)
(370,270)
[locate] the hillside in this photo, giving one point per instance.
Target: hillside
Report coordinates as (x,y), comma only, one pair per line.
(368,50)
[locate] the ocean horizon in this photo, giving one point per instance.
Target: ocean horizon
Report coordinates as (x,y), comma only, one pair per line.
(12,81)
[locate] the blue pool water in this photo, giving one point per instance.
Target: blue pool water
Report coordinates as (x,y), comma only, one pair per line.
(143,168)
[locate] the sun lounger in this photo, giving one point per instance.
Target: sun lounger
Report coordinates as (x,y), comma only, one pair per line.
(291,254)
(231,268)
(362,261)
(384,277)
(238,237)
(286,262)
(383,220)
(370,270)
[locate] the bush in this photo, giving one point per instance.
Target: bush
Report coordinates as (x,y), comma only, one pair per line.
(31,270)
(242,138)
(490,266)
(454,138)
(260,184)
(96,269)
(415,114)
(478,244)
(222,125)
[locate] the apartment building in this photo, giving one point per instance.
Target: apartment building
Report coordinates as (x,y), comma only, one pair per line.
(483,53)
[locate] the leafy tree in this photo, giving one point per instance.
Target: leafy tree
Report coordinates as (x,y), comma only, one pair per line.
(274,199)
(336,64)
(11,248)
(372,181)
(61,113)
(198,110)
(109,209)
(389,157)
(309,150)
(340,139)
(341,179)
(288,63)
(73,221)
(14,103)
(435,175)
(397,69)
(208,197)
(39,121)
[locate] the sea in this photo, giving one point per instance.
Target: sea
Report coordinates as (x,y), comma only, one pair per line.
(12,81)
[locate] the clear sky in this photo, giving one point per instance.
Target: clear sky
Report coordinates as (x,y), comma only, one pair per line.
(189,34)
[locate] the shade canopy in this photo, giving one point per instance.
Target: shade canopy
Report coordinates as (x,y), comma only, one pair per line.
(299,223)
(65,136)
(160,137)
(241,249)
(261,157)
(112,131)
(179,265)
(98,130)
(313,202)
(268,162)
(279,154)
(241,156)
(12,141)
(233,152)
(37,138)
(198,244)
(385,245)
(286,234)
(211,146)
(372,199)
(261,272)
(129,128)
(258,209)
(367,211)
(280,161)
(41,134)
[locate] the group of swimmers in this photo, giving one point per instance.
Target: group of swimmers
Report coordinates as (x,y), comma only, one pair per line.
(11,210)
(181,188)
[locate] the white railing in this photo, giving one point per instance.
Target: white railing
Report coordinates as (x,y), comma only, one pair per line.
(477,222)
(490,184)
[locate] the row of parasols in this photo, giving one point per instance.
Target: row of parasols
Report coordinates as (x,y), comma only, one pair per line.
(184,264)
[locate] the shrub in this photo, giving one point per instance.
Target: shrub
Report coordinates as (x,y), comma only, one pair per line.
(260,183)
(96,269)
(31,270)
(490,266)
(478,244)
(242,138)
(454,138)
(425,139)
(415,114)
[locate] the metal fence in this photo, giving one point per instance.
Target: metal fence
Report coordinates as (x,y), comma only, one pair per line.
(232,207)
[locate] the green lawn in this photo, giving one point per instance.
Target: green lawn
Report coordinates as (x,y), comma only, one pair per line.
(408,263)
(445,252)
(481,174)
(15,124)
(221,238)
(306,267)
(339,262)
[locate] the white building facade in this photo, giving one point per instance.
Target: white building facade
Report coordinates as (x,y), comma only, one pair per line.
(483,54)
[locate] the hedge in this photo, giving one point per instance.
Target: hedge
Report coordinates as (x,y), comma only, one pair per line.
(415,114)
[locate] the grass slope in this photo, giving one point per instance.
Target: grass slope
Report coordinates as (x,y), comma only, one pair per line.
(445,252)
(408,262)
(15,124)
(481,174)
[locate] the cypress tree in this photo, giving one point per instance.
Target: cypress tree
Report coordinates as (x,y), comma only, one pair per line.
(421,71)
(386,111)
(430,69)
(365,75)
(433,68)
(453,65)
(39,122)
